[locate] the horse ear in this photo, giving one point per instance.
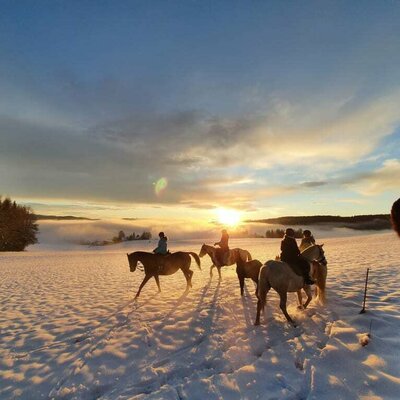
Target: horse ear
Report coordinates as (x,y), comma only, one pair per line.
(322,245)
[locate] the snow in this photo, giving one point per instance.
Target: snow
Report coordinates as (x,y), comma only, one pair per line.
(70,328)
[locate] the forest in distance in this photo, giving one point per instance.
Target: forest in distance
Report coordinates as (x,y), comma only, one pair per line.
(357,222)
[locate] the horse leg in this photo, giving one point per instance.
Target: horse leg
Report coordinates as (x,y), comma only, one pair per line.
(211,268)
(190,273)
(259,308)
(282,305)
(241,283)
(307,289)
(219,273)
(158,282)
(257,321)
(255,280)
(146,278)
(188,279)
(299,300)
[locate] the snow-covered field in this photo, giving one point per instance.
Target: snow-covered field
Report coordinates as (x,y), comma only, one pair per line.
(70,329)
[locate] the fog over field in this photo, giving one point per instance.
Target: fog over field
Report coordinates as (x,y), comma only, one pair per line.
(67,234)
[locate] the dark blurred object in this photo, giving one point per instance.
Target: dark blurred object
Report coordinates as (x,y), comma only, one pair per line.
(395,216)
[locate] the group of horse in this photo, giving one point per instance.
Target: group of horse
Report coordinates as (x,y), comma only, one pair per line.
(273,274)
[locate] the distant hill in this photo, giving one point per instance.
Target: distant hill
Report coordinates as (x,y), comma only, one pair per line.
(358,222)
(63,218)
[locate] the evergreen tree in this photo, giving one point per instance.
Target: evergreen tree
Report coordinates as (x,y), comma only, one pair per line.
(18,227)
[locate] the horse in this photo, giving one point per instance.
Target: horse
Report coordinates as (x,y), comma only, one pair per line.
(234,255)
(247,269)
(158,264)
(281,277)
(316,255)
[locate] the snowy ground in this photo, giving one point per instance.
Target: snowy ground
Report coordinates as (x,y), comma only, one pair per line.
(70,329)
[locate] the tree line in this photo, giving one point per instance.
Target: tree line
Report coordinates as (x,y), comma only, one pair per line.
(280,233)
(18,227)
(121,237)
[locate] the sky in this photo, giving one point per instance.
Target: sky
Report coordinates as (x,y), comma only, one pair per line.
(176,109)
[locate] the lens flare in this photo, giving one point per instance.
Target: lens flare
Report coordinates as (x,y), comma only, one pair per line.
(160,186)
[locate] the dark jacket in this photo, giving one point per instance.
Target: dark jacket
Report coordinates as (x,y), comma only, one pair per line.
(289,250)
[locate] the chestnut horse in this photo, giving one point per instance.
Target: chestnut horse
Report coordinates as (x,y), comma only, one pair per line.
(158,264)
(234,255)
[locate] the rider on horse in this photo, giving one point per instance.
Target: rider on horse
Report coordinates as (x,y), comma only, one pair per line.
(307,241)
(223,252)
(162,249)
(290,254)
(162,245)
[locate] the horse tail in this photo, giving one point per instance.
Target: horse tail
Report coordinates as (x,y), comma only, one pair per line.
(263,285)
(196,258)
(320,276)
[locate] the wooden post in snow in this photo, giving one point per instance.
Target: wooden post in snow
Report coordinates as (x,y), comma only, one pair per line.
(365,292)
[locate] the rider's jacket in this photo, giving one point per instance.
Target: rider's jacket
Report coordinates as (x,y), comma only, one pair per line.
(223,243)
(289,250)
(162,246)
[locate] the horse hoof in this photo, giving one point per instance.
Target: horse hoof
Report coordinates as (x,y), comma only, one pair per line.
(300,307)
(257,323)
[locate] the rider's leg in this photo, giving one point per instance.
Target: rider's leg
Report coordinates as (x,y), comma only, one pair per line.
(305,268)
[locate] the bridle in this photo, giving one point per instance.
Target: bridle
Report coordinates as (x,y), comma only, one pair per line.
(321,260)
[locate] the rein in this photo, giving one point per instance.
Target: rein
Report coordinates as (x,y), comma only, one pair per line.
(140,268)
(322,259)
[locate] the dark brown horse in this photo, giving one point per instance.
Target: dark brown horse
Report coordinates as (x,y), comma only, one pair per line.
(247,269)
(157,264)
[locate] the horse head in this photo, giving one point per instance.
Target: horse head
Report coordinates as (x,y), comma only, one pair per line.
(321,258)
(203,250)
(315,253)
(132,261)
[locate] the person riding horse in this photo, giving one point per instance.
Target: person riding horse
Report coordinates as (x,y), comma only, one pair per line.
(162,245)
(223,251)
(162,249)
(307,241)
(290,254)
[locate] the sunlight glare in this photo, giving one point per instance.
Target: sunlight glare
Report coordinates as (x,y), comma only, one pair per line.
(228,217)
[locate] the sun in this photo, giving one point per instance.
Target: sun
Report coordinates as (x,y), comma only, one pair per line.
(228,217)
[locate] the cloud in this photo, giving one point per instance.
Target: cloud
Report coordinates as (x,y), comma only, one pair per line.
(209,160)
(313,184)
(375,182)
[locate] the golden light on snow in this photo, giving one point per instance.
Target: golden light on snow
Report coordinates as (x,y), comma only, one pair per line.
(228,217)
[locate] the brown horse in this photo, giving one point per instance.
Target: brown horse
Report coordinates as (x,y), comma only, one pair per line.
(157,264)
(247,269)
(234,255)
(281,277)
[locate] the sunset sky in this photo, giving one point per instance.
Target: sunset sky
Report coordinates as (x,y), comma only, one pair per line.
(165,109)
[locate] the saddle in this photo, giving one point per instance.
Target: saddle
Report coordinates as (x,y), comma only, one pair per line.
(294,267)
(221,256)
(162,261)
